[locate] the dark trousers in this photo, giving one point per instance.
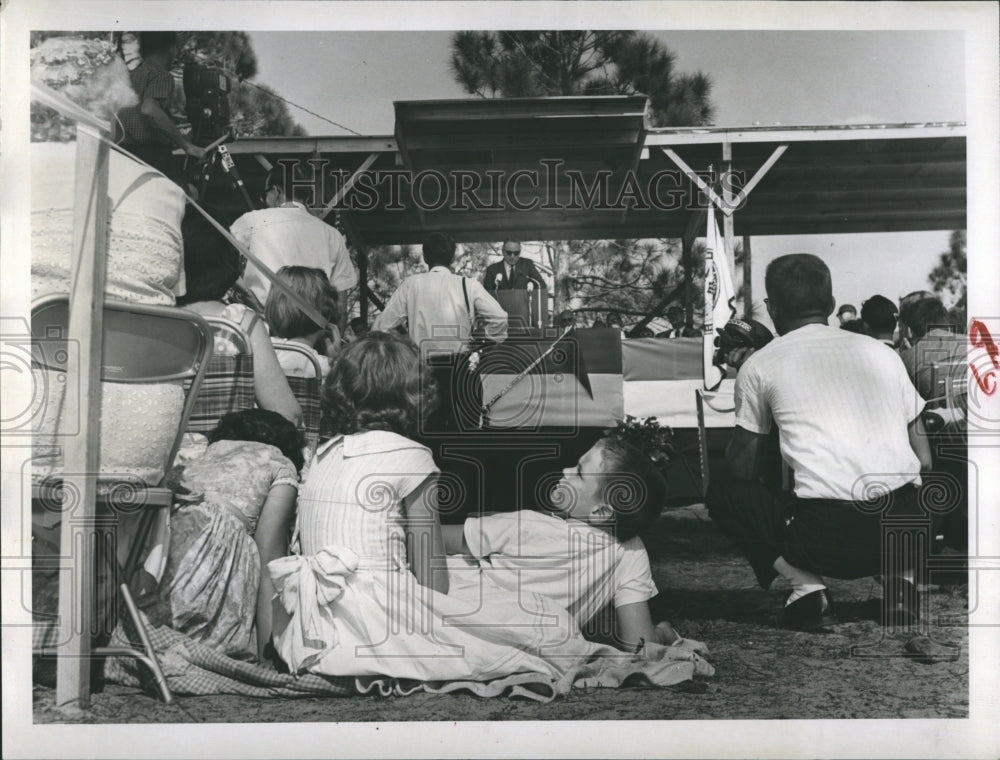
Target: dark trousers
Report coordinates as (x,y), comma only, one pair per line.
(839,539)
(460,395)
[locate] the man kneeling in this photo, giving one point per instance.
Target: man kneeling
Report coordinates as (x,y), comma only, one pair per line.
(848,421)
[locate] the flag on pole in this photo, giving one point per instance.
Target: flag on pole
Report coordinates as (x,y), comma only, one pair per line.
(719,297)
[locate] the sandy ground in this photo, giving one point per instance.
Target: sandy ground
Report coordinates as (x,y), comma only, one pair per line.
(852,670)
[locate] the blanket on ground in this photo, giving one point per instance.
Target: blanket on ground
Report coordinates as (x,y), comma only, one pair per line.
(195,669)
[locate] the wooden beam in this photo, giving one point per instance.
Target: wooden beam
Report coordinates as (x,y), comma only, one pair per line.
(763,170)
(81,460)
(698,181)
(408,162)
(339,195)
(708,135)
(322,145)
(730,203)
(747,279)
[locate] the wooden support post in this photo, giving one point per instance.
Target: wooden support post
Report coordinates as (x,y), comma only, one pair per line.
(363,282)
(82,411)
(687,246)
(747,281)
(729,202)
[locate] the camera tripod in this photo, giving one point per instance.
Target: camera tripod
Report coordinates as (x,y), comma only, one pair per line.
(218,158)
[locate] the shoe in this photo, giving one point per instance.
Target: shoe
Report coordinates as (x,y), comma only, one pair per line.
(809,612)
(901,603)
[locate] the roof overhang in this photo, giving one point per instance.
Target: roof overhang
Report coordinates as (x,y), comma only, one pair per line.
(523,168)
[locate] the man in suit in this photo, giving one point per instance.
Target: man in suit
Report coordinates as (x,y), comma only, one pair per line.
(513,273)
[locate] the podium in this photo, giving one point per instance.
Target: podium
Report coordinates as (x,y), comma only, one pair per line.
(525,308)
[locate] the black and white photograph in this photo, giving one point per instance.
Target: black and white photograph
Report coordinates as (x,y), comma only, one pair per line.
(540,379)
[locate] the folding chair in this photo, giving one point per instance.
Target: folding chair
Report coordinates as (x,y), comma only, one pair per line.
(307,392)
(228,385)
(142,344)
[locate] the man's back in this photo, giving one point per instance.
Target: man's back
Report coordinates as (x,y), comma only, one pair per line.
(440,313)
(842,403)
(291,236)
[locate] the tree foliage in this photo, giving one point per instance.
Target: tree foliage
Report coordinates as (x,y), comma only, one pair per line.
(568,62)
(949,278)
(589,276)
(255,109)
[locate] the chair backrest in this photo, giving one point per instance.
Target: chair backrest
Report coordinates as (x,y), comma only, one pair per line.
(306,391)
(228,385)
(141,344)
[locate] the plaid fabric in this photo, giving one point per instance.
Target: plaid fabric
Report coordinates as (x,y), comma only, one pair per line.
(193,668)
(227,387)
(306,391)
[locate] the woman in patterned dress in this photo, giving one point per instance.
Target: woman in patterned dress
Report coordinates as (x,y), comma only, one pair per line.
(240,498)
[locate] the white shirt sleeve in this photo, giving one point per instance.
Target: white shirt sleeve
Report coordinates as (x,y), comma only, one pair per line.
(342,274)
(486,306)
(492,534)
(753,413)
(633,576)
(394,312)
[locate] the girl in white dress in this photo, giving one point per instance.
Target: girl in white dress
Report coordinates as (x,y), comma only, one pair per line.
(368,596)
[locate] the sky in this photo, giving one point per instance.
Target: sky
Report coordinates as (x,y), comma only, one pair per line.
(759,77)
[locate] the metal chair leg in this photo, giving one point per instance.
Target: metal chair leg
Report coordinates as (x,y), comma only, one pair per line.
(147,655)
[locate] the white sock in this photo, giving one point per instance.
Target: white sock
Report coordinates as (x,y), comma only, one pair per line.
(800,590)
(803,581)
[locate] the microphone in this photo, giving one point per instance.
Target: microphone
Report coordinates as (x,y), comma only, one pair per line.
(498,279)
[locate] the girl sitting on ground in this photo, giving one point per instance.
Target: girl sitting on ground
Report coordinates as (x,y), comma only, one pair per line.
(240,506)
(289,324)
(587,553)
(369,594)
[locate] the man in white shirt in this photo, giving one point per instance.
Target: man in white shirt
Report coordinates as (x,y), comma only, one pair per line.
(849,426)
(286,234)
(440,310)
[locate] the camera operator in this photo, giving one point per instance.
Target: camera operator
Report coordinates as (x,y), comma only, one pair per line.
(849,426)
(149,132)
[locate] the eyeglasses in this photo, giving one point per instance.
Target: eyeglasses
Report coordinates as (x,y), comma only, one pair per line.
(511,253)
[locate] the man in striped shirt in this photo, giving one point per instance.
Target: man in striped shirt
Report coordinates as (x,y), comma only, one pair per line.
(149,132)
(848,420)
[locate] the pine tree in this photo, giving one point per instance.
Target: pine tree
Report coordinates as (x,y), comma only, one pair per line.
(626,276)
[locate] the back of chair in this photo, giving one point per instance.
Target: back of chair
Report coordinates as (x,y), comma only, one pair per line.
(228,385)
(141,344)
(306,391)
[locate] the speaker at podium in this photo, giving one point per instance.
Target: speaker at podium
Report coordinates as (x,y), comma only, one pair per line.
(526,309)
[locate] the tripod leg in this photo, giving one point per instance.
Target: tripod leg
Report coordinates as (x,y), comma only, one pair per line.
(229,167)
(206,175)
